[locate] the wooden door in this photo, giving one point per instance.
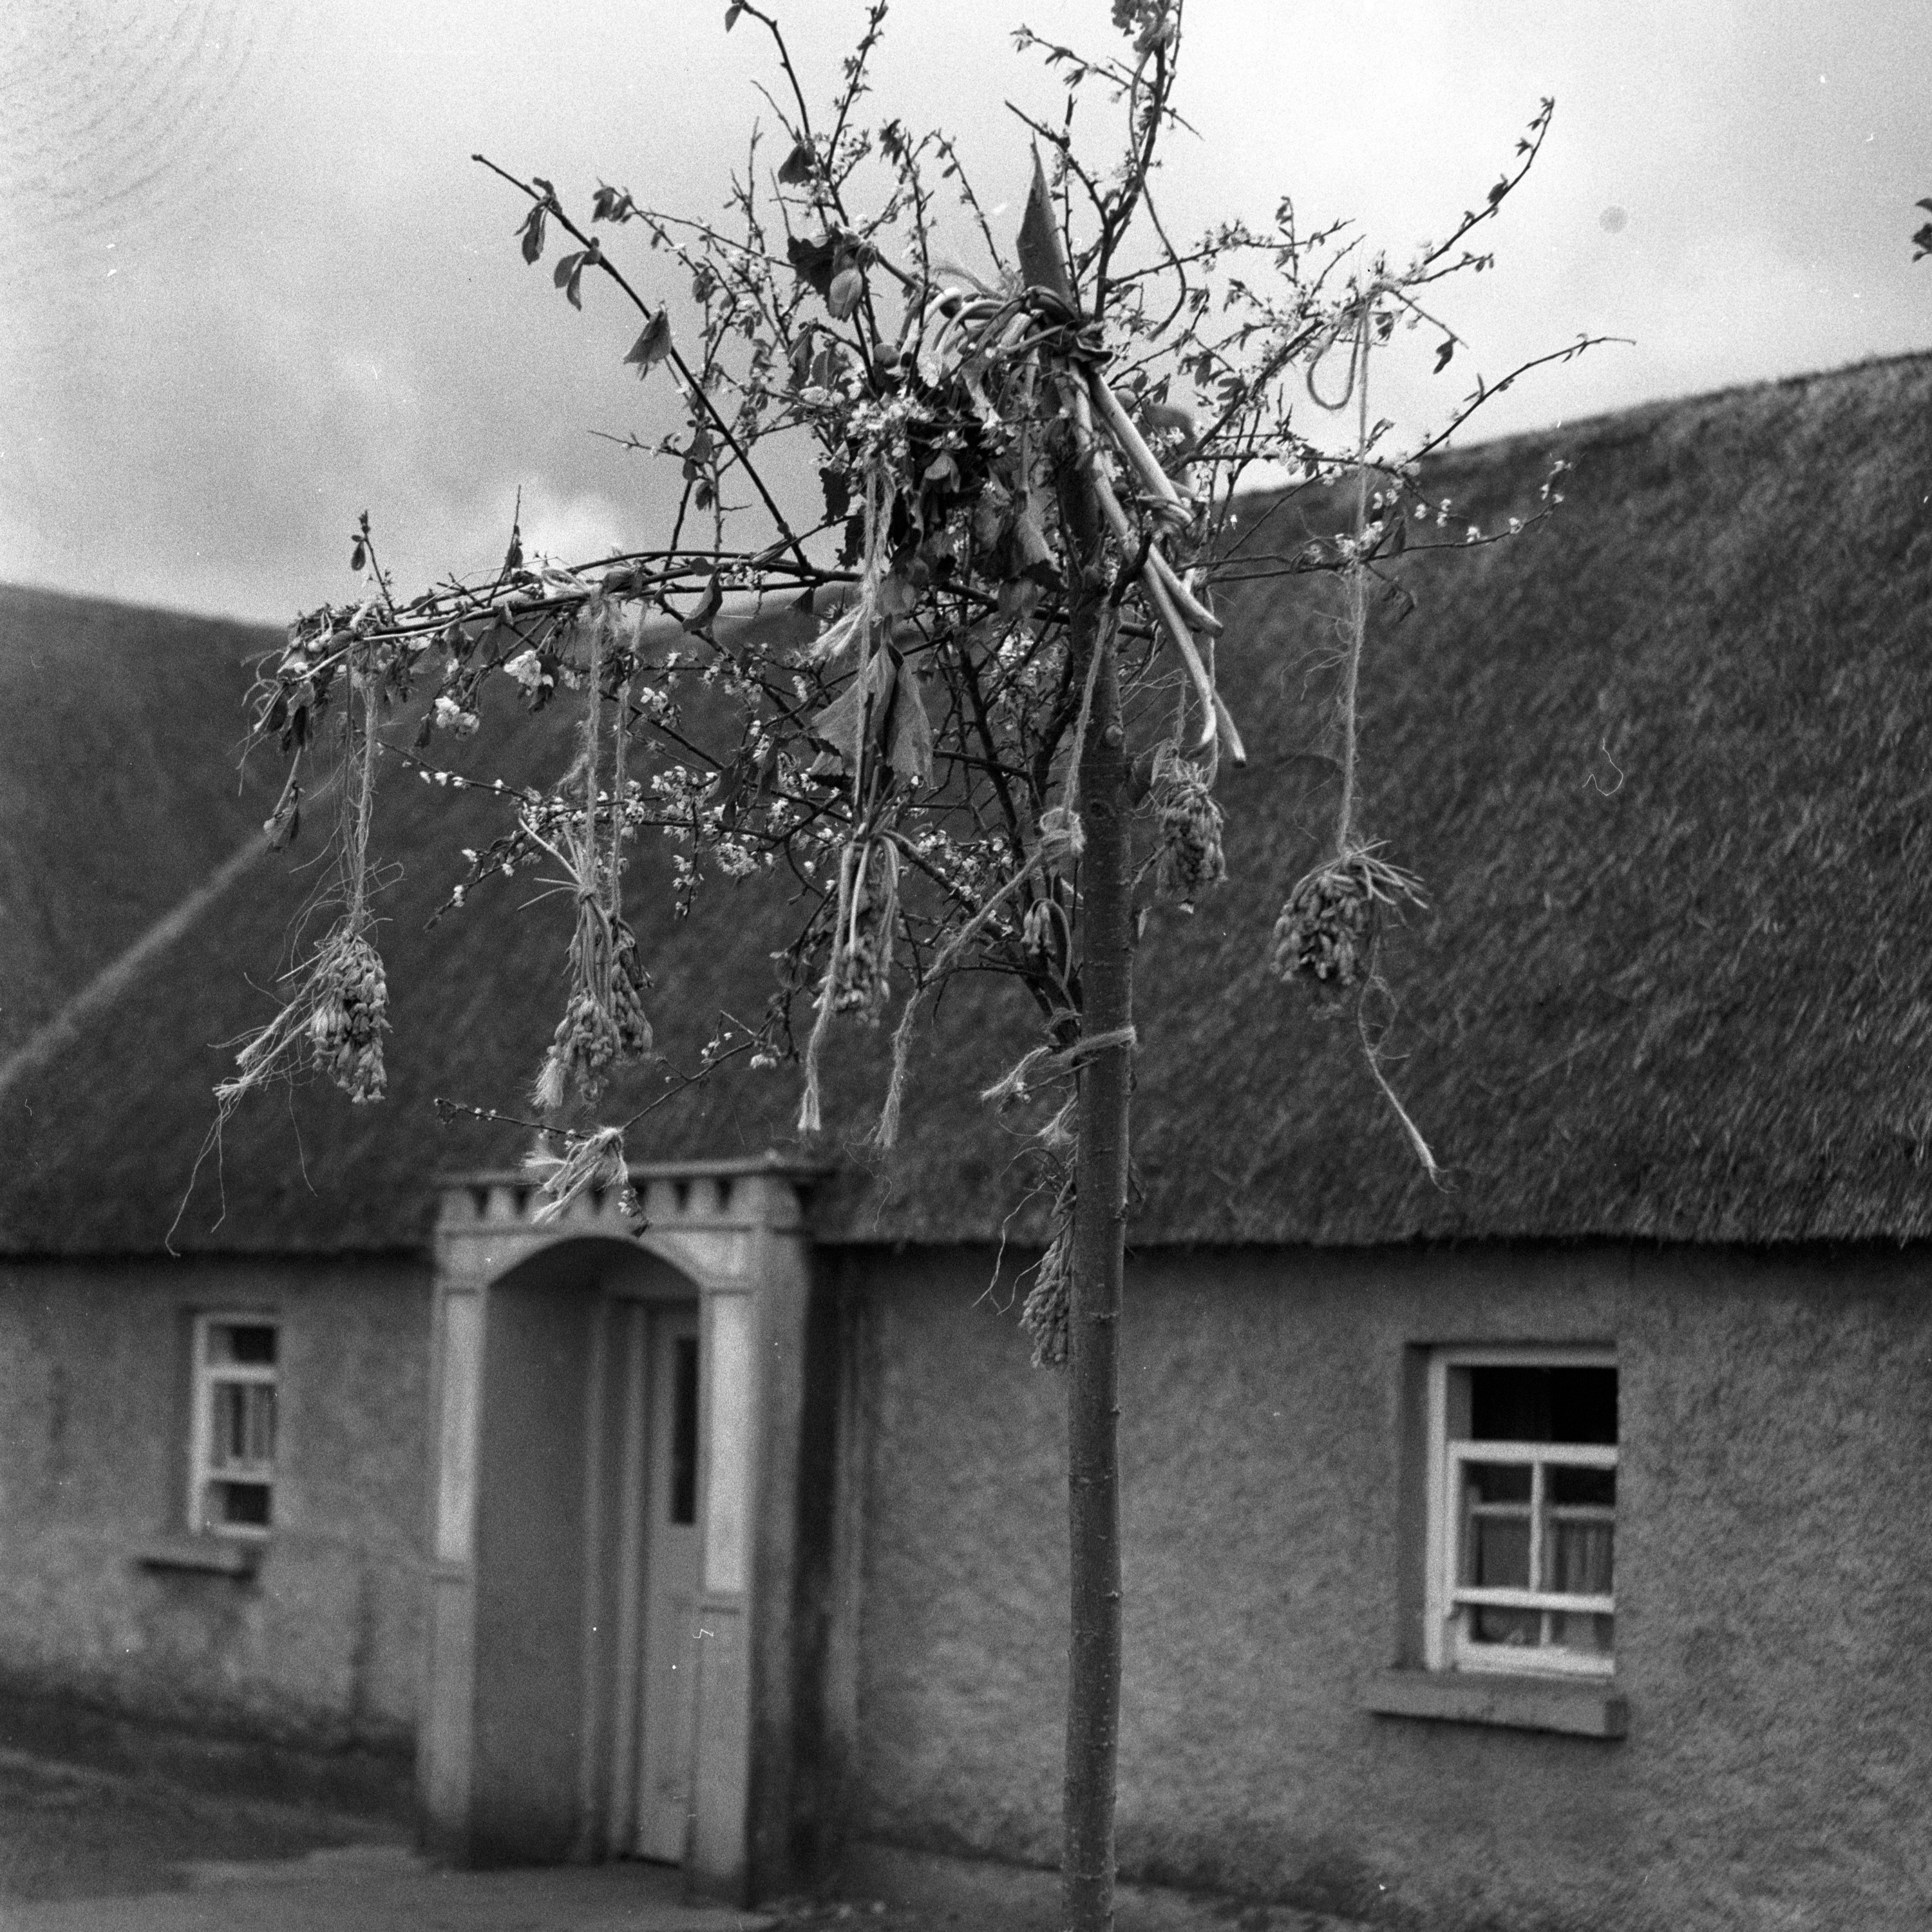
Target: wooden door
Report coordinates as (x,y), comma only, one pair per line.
(668,1670)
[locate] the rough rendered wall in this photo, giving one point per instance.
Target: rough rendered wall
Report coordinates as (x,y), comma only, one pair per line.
(321,1648)
(1774,1616)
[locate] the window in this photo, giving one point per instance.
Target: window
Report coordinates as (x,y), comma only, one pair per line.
(233,1480)
(1522,1493)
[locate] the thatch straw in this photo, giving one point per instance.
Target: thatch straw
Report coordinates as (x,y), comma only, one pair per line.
(1695,1012)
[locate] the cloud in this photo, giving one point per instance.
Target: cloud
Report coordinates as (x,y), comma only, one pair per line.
(562,526)
(275,291)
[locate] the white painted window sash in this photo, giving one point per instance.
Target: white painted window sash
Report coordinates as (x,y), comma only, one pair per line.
(204,1470)
(1445,1599)
(1571,1455)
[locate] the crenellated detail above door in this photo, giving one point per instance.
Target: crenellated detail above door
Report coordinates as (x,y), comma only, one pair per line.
(702,1216)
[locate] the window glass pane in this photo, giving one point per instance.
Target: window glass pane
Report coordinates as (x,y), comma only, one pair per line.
(241,1504)
(252,1343)
(1595,1486)
(1591,1634)
(1496,1482)
(684,1432)
(1520,1629)
(259,1412)
(1495,1552)
(228,1429)
(241,1423)
(1531,1405)
(1578,1556)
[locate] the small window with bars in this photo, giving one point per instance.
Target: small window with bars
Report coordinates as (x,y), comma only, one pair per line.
(235,1376)
(1522,1574)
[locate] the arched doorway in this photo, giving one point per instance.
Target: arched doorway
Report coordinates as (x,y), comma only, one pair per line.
(615,1483)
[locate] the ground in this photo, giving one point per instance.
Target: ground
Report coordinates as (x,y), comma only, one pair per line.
(85,1850)
(68,1832)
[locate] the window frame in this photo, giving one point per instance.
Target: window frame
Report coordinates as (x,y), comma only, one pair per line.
(203,1470)
(1445,1647)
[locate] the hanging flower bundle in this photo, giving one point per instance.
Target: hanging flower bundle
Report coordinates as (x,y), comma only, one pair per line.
(604,1024)
(334,1020)
(1326,935)
(860,971)
(1187,823)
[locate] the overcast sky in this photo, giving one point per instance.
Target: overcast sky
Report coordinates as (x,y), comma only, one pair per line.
(251,284)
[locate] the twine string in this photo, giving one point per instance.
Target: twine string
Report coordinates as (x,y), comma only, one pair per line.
(1358,588)
(1369,1054)
(810,1111)
(620,737)
(363,812)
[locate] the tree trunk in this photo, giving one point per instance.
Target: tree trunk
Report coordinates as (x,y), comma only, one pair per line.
(1099,1233)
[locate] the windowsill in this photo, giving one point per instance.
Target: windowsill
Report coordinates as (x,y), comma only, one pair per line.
(215,1555)
(1583,1709)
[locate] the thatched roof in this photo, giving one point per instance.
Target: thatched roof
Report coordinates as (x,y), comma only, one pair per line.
(1663,764)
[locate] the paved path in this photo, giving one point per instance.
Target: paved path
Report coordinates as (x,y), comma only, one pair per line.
(387,1888)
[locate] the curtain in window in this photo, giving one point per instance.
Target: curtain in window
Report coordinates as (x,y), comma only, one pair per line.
(1580,1558)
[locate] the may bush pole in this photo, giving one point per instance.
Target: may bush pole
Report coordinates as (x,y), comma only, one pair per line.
(1004,732)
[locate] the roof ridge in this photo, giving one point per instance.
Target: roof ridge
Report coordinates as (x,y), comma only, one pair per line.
(106,986)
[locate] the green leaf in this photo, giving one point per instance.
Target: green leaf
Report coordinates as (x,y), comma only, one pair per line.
(1032,557)
(909,747)
(708,605)
(800,165)
(1043,260)
(731,13)
(1443,355)
(837,486)
(838,725)
(358,556)
(532,230)
(652,347)
(815,263)
(1019,595)
(843,296)
(281,826)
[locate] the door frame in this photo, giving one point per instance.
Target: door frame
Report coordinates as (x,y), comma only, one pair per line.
(733,1234)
